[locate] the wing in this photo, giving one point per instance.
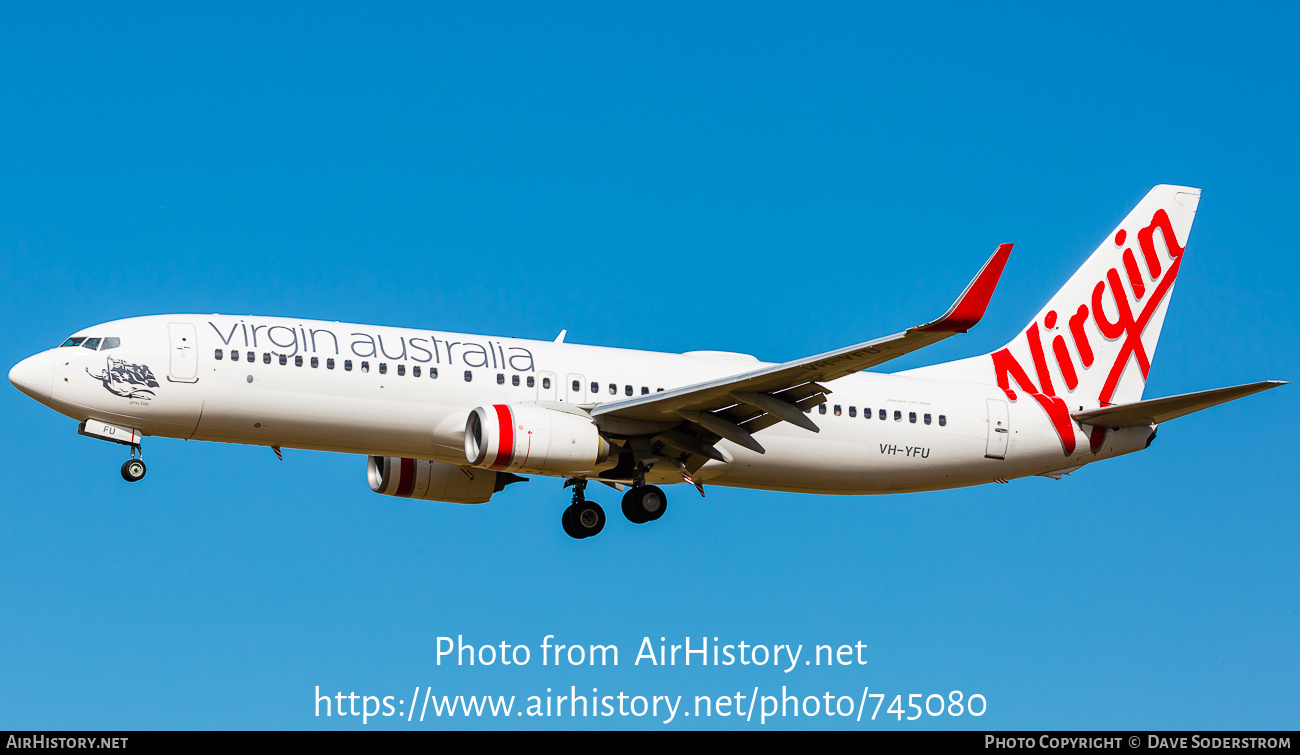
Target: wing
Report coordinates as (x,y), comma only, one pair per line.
(737,406)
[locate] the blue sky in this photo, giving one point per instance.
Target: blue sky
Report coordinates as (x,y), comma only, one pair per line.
(767,178)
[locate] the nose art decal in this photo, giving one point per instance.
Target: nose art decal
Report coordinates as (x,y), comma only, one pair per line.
(122,379)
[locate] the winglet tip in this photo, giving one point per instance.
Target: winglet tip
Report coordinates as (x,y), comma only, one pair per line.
(969,308)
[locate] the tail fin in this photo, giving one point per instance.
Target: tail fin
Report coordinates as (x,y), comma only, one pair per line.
(1092,345)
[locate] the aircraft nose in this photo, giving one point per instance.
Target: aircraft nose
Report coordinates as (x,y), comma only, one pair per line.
(34,376)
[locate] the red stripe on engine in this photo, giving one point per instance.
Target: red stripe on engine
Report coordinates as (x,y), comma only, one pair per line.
(506,442)
(406,483)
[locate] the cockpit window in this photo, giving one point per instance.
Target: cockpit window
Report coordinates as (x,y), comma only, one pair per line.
(110,343)
(90,343)
(74,341)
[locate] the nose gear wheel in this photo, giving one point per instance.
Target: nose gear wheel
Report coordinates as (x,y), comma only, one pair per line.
(133,470)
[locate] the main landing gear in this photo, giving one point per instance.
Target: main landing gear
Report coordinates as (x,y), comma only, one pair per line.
(582,518)
(644,503)
(641,503)
(133,469)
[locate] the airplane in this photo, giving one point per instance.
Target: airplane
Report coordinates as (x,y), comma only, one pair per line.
(457,417)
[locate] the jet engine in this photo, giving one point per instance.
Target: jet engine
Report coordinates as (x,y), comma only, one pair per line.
(434,480)
(533,440)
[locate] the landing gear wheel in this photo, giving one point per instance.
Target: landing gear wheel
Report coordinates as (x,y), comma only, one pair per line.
(133,470)
(583,519)
(644,503)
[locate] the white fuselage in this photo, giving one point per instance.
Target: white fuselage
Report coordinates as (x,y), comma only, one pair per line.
(936,433)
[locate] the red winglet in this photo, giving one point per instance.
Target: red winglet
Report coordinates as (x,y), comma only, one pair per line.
(970,306)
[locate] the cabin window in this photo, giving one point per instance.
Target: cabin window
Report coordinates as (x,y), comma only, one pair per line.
(837,410)
(234,355)
(469,376)
(315,362)
(853,411)
(898,416)
(613,389)
(383,368)
(365,367)
(433,373)
(401,370)
(546,383)
(659,390)
(645,390)
(250,357)
(266,357)
(595,387)
(347,365)
(91,343)
(821,408)
(514,380)
(415,371)
(577,386)
(297,361)
(76,341)
(110,343)
(627,390)
(329,364)
(216,354)
(531,381)
(284,359)
(943,420)
(927,419)
(911,417)
(808,410)
(882,414)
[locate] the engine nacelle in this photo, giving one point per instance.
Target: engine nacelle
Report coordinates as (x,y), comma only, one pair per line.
(433,480)
(533,439)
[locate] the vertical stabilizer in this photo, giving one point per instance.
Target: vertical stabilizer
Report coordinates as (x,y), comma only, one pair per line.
(1092,344)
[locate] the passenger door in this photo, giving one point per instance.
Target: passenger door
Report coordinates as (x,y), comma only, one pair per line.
(184,367)
(999,430)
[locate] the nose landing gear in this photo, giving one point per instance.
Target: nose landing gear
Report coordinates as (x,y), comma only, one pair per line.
(133,469)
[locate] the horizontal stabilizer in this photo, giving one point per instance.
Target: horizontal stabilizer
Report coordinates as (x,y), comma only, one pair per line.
(1156,410)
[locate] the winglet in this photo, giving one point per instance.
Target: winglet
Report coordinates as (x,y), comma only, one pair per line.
(970,306)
